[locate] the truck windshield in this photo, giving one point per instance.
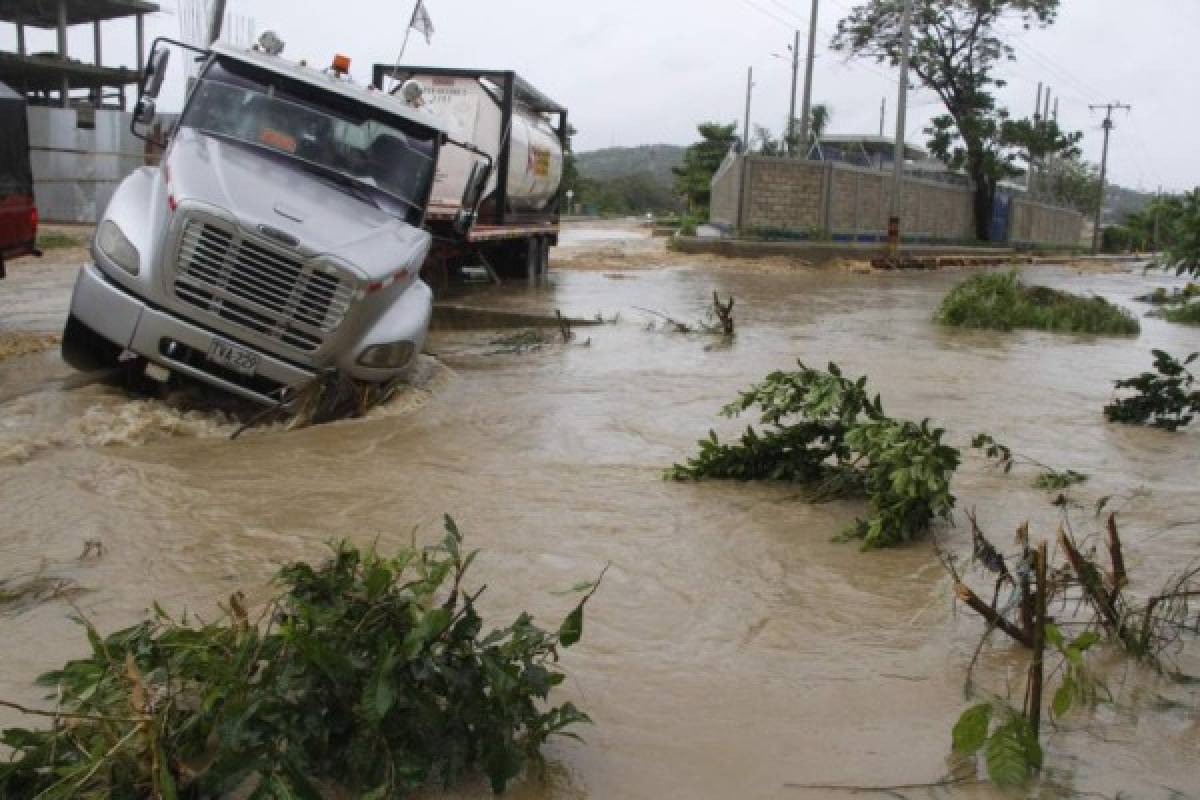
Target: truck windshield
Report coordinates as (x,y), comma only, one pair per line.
(384,158)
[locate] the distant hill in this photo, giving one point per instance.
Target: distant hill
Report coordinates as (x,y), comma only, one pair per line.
(615,162)
(1120,202)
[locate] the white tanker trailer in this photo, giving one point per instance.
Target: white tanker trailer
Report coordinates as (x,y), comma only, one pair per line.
(523,131)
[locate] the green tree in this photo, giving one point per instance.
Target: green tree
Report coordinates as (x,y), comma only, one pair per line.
(693,178)
(570,178)
(1182,244)
(767,144)
(1073,182)
(1035,142)
(956,48)
(818,121)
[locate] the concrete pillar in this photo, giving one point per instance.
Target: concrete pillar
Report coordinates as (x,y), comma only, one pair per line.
(62,50)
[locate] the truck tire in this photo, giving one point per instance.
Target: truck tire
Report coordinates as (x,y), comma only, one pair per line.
(86,350)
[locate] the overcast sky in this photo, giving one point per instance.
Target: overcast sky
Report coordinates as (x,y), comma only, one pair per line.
(646,71)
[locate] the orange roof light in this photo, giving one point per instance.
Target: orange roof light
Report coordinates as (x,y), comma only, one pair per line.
(341,64)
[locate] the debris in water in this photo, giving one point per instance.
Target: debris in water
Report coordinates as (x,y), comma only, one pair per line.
(522,342)
(24,343)
(18,596)
(718,319)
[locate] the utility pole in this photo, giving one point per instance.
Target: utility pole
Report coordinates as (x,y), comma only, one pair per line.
(746,127)
(806,108)
(1157,211)
(790,127)
(882,114)
(899,148)
(1108,126)
(1046,111)
(1037,106)
(1055,111)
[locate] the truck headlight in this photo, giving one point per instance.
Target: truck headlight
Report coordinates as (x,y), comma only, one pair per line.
(116,245)
(386,356)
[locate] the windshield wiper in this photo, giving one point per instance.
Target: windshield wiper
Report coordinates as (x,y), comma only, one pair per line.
(343,181)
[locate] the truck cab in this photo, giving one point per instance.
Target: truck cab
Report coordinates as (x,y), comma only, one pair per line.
(280,238)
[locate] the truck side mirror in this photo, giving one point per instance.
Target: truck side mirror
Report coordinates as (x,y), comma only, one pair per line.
(143,113)
(472,192)
(156,72)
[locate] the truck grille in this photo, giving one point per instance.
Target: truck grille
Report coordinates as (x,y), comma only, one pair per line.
(259,287)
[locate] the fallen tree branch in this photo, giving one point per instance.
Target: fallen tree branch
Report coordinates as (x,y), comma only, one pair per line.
(37,712)
(993,617)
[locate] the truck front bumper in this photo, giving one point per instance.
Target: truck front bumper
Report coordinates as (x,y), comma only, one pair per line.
(174,343)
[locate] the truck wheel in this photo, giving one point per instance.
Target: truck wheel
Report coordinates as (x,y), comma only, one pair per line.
(86,350)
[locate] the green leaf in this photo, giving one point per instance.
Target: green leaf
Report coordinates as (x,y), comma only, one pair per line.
(970,731)
(166,782)
(432,623)
(1054,636)
(1062,697)
(1085,640)
(1012,752)
(572,627)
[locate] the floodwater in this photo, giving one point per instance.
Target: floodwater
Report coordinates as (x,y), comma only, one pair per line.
(734,650)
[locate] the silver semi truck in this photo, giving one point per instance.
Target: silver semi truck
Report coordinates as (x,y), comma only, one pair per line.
(281,237)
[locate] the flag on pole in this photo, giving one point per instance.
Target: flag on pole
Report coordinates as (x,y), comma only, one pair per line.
(421,22)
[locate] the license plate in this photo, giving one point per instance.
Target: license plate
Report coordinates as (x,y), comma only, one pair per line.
(233,356)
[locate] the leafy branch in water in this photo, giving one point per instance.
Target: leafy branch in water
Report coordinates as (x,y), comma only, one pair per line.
(824,430)
(1164,399)
(369,673)
(1049,479)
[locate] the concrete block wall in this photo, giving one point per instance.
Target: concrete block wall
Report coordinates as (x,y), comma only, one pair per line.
(1037,223)
(783,194)
(862,199)
(854,202)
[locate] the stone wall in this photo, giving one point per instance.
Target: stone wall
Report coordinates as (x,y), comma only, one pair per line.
(1038,223)
(853,203)
(783,194)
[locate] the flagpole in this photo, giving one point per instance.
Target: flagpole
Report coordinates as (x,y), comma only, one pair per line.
(404,44)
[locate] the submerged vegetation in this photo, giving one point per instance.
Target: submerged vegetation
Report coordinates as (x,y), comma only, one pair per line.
(1186,314)
(369,673)
(1083,594)
(1000,301)
(824,430)
(1048,479)
(1163,399)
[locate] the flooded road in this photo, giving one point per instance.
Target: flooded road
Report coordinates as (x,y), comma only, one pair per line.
(733,648)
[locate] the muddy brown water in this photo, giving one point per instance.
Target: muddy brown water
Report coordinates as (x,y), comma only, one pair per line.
(733,649)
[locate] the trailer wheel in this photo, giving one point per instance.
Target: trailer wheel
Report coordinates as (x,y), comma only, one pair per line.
(86,350)
(544,258)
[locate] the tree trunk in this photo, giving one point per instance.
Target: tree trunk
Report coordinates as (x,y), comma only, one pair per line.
(984,198)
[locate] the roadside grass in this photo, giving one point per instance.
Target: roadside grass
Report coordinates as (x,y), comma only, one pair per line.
(55,240)
(1000,301)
